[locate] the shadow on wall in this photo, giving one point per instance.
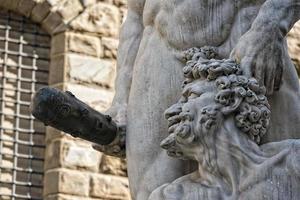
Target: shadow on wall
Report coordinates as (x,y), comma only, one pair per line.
(293,39)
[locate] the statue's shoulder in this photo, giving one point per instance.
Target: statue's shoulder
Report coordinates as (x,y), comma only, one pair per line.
(186,188)
(293,160)
(274,176)
(272,148)
(290,151)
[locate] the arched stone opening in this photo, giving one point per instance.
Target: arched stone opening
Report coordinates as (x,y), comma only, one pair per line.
(24,64)
(24,68)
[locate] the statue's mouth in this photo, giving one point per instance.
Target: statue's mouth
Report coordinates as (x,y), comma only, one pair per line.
(178,140)
(168,142)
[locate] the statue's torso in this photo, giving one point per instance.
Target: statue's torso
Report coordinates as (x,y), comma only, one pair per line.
(187,23)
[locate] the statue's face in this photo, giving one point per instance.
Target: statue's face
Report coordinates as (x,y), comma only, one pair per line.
(195,121)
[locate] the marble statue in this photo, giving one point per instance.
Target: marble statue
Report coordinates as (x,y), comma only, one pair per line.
(150,59)
(219,121)
(232,142)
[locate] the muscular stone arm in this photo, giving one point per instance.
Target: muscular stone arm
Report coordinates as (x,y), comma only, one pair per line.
(130,37)
(261,50)
(278,15)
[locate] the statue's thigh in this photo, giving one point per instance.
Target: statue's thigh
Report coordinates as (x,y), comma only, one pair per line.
(148,165)
(156,85)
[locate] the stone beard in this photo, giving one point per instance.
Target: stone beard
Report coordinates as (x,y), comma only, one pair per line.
(218,122)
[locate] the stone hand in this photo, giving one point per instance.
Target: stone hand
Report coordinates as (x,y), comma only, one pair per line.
(260,55)
(118,112)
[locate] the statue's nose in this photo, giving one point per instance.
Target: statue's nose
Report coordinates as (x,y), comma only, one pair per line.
(168,142)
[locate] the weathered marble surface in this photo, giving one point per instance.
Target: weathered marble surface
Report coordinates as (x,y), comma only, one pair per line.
(293,39)
(219,121)
(150,62)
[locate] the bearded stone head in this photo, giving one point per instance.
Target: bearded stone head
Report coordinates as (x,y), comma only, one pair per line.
(214,90)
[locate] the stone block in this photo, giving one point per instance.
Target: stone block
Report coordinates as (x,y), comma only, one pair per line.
(107,1)
(120,3)
(109,187)
(87,3)
(53,155)
(92,70)
(80,157)
(72,155)
(113,165)
(67,182)
(52,134)
(85,44)
(9,4)
(66,197)
(53,2)
(57,71)
(5,190)
(103,19)
(92,96)
(52,22)
(40,11)
(101,106)
(25,7)
(58,44)
(293,39)
(110,46)
(60,29)
(51,184)
(68,9)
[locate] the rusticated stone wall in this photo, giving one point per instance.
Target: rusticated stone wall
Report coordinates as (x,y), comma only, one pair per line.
(84,40)
(294,45)
(87,55)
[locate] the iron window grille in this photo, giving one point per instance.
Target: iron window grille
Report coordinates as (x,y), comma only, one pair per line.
(24,67)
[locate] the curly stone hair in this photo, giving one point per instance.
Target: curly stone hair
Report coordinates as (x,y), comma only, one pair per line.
(236,94)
